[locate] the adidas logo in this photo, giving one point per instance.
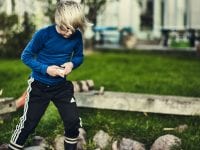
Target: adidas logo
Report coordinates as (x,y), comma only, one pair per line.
(72,100)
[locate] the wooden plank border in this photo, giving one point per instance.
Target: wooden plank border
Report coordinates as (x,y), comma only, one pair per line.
(140,102)
(7,105)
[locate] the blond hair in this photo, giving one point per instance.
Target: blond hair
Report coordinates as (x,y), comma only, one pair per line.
(69,14)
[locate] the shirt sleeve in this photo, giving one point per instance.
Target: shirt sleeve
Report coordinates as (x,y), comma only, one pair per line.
(77,58)
(30,52)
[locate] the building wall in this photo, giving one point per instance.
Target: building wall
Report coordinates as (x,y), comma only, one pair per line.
(177,14)
(109,15)
(122,13)
(194,13)
(174,11)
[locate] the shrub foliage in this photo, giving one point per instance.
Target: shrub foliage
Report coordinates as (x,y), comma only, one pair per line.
(14,35)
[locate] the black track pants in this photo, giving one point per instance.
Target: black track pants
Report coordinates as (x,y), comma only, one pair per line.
(37,100)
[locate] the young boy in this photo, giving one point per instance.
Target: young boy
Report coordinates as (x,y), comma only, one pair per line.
(52,54)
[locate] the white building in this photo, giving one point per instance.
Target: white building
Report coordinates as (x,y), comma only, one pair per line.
(148,17)
(145,17)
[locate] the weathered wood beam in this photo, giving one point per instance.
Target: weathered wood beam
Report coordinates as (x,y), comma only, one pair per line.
(7,105)
(140,102)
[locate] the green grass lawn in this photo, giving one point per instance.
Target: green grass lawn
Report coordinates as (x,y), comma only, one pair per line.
(136,72)
(132,72)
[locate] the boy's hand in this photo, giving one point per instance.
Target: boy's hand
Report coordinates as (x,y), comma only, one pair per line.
(53,70)
(68,66)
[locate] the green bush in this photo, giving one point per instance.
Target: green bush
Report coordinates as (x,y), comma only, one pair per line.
(14,36)
(176,42)
(180,44)
(7,28)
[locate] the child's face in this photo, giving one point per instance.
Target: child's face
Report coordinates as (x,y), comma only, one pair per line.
(65,32)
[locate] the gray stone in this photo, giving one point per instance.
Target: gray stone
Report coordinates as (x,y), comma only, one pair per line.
(102,139)
(127,144)
(182,128)
(4,147)
(166,142)
(39,143)
(34,148)
(38,140)
(7,105)
(59,142)
(81,139)
(115,145)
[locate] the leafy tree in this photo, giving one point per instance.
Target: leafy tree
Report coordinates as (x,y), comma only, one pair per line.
(94,8)
(14,36)
(7,29)
(19,40)
(51,6)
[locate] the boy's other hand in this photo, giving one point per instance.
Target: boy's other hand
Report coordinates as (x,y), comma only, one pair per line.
(53,70)
(68,66)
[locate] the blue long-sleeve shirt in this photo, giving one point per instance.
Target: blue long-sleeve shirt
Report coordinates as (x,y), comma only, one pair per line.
(47,47)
